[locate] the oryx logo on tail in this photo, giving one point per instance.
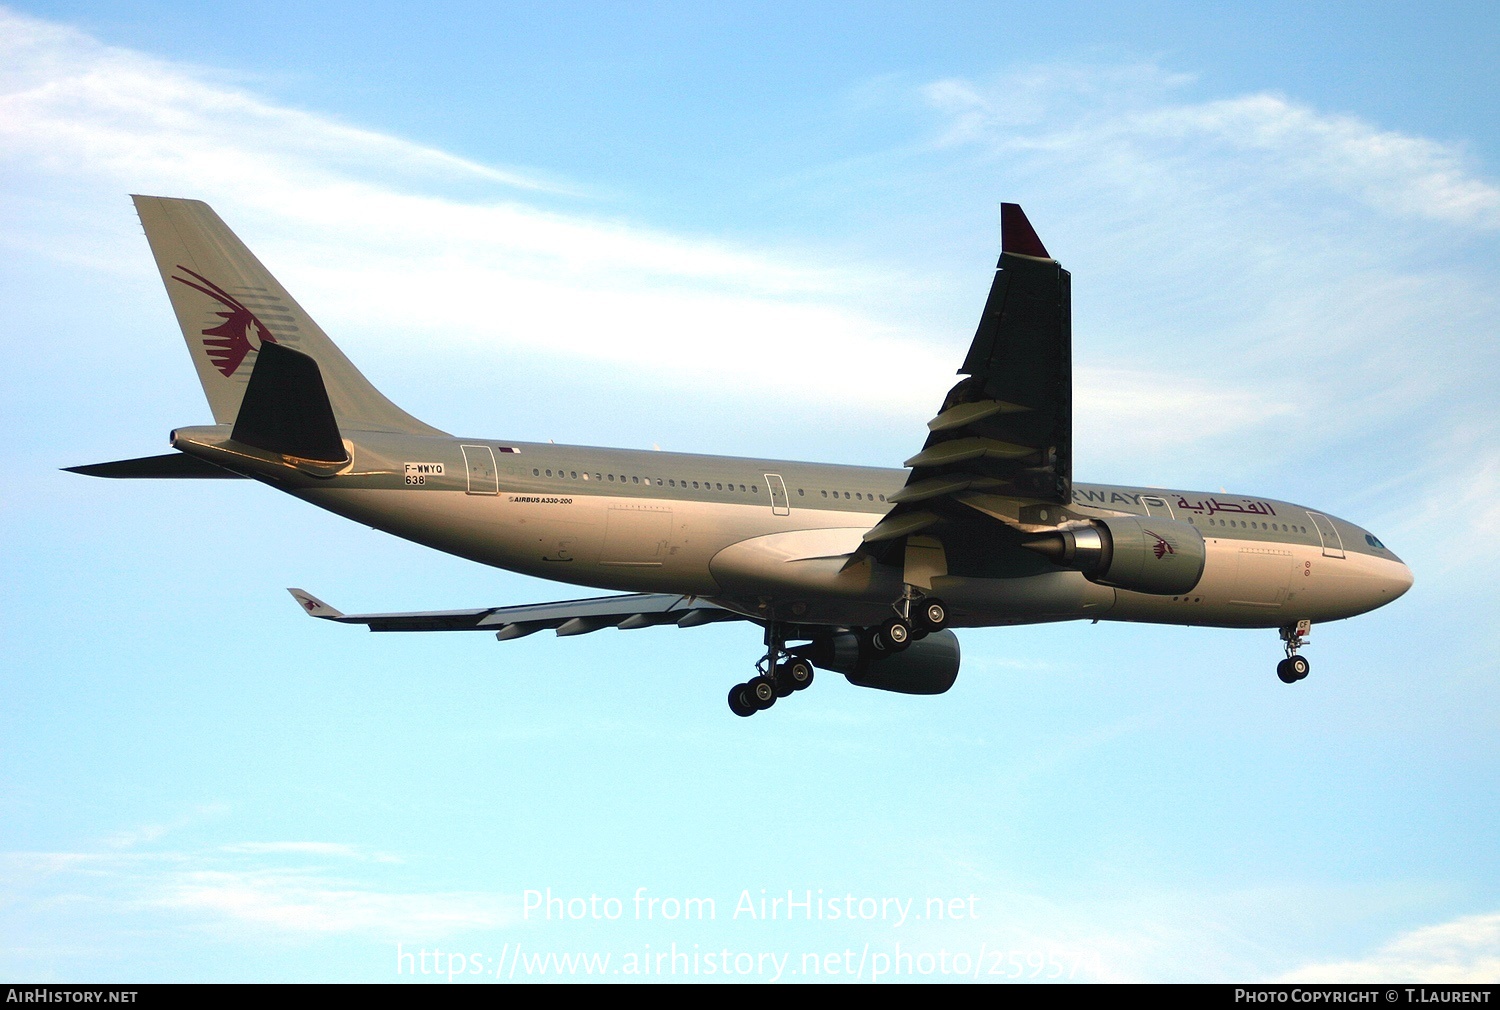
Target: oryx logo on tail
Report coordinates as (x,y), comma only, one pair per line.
(228,343)
(1161,549)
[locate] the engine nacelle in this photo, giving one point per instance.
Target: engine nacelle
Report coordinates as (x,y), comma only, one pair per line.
(1145,554)
(927,666)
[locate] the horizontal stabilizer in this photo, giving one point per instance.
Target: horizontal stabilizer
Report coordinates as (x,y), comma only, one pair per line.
(286,409)
(172,465)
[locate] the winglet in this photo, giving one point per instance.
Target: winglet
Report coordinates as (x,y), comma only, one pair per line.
(314,606)
(1016,234)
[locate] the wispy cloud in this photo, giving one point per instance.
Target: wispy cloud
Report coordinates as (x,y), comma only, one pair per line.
(306,901)
(1216,292)
(281,887)
(365,229)
(340,850)
(1465,950)
(1057,108)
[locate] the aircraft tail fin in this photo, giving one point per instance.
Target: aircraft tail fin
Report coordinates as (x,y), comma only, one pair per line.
(230,308)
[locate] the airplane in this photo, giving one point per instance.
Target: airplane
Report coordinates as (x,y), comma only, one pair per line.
(856,570)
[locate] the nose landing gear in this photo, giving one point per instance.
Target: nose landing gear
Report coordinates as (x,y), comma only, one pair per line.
(1294,667)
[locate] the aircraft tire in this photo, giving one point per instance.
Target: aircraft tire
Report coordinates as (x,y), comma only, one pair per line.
(895,634)
(1299,666)
(739,702)
(933,615)
(799,673)
(761,691)
(783,678)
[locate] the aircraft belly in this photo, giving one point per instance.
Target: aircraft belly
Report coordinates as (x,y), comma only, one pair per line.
(1049,596)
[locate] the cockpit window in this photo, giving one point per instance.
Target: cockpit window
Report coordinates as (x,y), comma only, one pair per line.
(1370,539)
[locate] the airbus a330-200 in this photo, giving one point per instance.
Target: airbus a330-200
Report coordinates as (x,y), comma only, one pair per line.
(856,570)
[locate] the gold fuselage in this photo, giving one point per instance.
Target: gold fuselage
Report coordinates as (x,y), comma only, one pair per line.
(760,536)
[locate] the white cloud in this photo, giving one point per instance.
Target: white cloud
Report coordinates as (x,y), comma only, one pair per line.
(349,220)
(338,849)
(1386,169)
(1110,108)
(1465,950)
(384,241)
(1127,407)
(304,901)
(282,887)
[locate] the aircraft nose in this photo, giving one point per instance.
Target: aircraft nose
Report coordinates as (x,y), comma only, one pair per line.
(1401,580)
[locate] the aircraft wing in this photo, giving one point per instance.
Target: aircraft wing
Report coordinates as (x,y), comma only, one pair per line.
(1004,433)
(568,617)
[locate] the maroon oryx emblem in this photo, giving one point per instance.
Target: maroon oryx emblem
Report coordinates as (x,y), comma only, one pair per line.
(229,342)
(1162,548)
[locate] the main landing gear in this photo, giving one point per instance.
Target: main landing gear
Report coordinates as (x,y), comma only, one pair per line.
(916,618)
(1294,667)
(778,674)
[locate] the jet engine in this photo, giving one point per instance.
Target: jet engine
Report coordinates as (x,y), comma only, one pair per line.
(927,666)
(1145,554)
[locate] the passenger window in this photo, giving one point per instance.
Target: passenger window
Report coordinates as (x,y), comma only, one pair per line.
(635,480)
(574,474)
(535,472)
(611,477)
(799,492)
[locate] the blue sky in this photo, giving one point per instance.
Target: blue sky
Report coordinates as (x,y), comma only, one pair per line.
(766,232)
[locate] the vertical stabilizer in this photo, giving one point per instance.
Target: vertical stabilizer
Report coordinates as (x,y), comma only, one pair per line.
(229,306)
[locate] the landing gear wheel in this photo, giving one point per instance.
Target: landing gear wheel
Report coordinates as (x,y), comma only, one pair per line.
(1293,669)
(893,636)
(739,701)
(932,615)
(761,691)
(797,674)
(783,678)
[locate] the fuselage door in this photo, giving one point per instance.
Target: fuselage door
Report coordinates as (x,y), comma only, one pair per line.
(781,505)
(480,462)
(1157,506)
(1333,544)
